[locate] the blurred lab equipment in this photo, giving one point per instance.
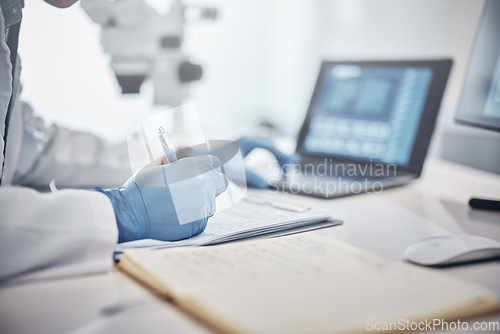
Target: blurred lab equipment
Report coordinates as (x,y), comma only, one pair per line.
(144,44)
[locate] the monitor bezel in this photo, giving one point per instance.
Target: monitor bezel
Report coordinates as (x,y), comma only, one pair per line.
(483,57)
(440,68)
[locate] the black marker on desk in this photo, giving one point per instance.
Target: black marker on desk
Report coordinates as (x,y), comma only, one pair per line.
(484,204)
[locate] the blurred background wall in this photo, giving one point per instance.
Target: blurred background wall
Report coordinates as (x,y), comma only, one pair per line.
(260,61)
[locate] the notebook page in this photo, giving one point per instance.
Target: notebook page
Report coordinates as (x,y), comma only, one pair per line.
(306,284)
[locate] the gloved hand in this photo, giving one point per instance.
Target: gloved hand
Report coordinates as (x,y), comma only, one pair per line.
(168,202)
(248,144)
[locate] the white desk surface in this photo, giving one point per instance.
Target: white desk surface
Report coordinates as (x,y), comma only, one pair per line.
(383,224)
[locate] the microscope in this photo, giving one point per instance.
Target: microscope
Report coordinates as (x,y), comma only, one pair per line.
(144,44)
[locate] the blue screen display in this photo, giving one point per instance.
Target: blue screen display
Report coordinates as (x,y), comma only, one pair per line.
(368,112)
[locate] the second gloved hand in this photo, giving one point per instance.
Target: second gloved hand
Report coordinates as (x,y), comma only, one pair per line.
(248,144)
(168,202)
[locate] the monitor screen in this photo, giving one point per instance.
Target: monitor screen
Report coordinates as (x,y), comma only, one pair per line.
(381,111)
(368,112)
(480,102)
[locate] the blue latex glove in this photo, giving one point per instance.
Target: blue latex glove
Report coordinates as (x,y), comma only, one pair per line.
(248,144)
(168,202)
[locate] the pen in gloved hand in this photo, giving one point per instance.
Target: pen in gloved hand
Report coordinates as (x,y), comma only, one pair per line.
(166,144)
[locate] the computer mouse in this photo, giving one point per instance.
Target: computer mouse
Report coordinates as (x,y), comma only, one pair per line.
(452,249)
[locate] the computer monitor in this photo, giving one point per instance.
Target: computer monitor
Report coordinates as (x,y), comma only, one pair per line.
(480,102)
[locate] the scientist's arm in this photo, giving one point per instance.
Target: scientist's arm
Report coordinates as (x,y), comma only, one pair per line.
(69,232)
(73,232)
(74,159)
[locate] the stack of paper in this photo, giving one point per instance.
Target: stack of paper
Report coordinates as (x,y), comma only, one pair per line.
(247,219)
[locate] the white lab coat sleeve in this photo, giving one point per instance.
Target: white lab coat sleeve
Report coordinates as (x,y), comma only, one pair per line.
(74,159)
(47,235)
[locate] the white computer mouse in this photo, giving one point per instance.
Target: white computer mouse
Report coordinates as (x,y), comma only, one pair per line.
(452,249)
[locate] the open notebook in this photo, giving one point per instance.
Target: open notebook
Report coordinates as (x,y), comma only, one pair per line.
(252,217)
(301,284)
